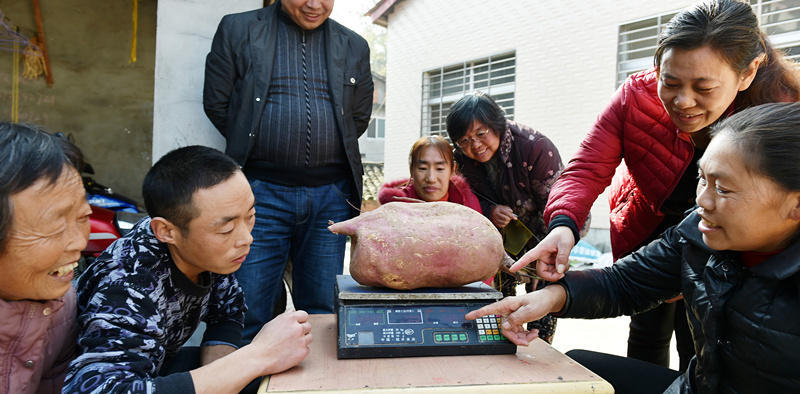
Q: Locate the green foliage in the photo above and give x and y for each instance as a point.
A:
(376, 37)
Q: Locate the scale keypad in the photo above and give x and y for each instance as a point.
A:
(489, 328)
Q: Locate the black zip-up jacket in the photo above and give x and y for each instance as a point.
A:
(239, 70)
(745, 321)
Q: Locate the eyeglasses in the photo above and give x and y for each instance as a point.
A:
(466, 142)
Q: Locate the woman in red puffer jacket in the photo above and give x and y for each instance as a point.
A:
(711, 60)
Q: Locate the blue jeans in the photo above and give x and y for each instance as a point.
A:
(292, 224)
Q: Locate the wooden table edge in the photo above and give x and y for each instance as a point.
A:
(598, 387)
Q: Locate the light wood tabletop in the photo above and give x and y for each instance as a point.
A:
(535, 368)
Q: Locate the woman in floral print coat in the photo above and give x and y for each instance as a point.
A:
(511, 168)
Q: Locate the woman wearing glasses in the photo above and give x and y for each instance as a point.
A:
(511, 168)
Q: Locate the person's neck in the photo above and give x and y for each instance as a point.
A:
(189, 270)
(700, 139)
(751, 259)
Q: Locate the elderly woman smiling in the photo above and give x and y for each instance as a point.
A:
(44, 225)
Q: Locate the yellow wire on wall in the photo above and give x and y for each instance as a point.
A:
(135, 25)
(15, 84)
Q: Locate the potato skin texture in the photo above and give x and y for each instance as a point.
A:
(407, 246)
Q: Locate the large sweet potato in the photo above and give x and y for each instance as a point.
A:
(411, 245)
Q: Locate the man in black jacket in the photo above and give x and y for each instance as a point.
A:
(291, 92)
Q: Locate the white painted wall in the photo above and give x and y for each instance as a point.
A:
(184, 32)
(371, 149)
(566, 61)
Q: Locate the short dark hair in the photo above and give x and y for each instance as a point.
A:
(768, 136)
(169, 186)
(474, 106)
(29, 155)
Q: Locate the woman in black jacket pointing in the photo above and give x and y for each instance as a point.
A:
(735, 259)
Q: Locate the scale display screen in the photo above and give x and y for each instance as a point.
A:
(366, 317)
(436, 316)
(449, 317)
(405, 316)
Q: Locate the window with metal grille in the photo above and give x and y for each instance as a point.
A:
(441, 87)
(780, 19)
(376, 128)
(637, 44)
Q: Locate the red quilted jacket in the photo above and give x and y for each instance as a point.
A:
(458, 192)
(635, 128)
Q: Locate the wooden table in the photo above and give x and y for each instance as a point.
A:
(535, 368)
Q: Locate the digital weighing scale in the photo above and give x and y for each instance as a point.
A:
(382, 322)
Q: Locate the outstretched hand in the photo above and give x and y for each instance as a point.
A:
(518, 310)
(551, 255)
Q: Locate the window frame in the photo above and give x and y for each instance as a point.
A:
(782, 41)
(475, 74)
(379, 123)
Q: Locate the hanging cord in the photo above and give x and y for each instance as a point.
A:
(15, 83)
(135, 28)
(336, 189)
(42, 42)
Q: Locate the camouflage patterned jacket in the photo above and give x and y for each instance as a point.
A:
(136, 309)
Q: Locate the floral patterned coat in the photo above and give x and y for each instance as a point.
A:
(531, 163)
